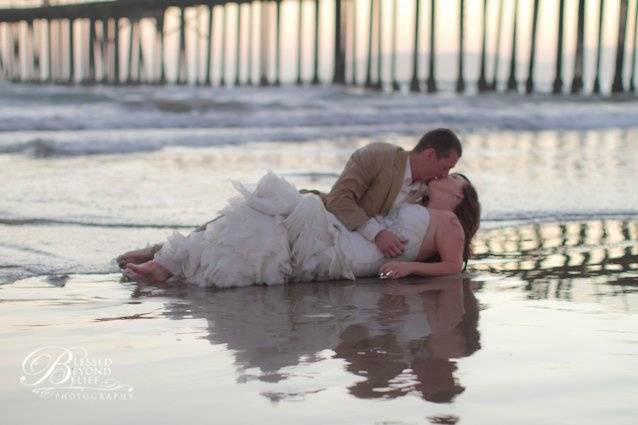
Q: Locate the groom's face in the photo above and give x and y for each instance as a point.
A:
(438, 167)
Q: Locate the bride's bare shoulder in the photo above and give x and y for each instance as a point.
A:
(446, 222)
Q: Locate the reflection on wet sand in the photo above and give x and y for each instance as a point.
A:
(410, 341)
(396, 338)
(591, 261)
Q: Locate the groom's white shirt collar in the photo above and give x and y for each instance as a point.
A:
(408, 186)
(407, 176)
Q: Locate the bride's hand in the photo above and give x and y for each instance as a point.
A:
(396, 269)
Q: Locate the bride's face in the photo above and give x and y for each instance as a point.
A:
(448, 187)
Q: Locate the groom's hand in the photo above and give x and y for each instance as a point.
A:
(389, 244)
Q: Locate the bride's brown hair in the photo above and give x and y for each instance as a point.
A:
(469, 214)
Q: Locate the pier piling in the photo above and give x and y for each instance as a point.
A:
(512, 84)
(596, 88)
(482, 82)
(529, 84)
(577, 82)
(431, 82)
(558, 79)
(315, 62)
(617, 86)
(414, 83)
(632, 87)
(460, 81)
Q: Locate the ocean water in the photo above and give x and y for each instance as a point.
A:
(542, 328)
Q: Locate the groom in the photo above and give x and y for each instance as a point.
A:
(380, 176)
(376, 178)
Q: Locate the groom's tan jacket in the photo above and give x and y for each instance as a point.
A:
(368, 185)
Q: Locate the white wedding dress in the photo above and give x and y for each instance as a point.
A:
(274, 234)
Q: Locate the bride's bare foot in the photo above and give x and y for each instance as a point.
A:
(150, 270)
(137, 256)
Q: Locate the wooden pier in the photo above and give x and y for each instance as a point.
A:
(125, 42)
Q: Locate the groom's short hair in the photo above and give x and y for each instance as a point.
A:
(442, 140)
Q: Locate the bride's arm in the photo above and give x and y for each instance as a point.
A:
(449, 241)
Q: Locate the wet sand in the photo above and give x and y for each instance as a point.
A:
(542, 329)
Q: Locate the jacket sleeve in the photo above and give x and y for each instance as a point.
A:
(359, 173)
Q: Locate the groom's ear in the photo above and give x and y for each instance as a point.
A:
(429, 154)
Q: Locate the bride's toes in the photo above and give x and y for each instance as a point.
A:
(127, 259)
(121, 261)
(138, 256)
(137, 268)
(147, 271)
(131, 275)
(135, 271)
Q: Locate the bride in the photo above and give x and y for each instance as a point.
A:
(274, 234)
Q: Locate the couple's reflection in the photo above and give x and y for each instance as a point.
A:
(395, 338)
(410, 342)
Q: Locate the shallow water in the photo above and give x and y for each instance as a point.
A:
(542, 329)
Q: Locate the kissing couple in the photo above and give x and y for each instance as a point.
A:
(391, 213)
